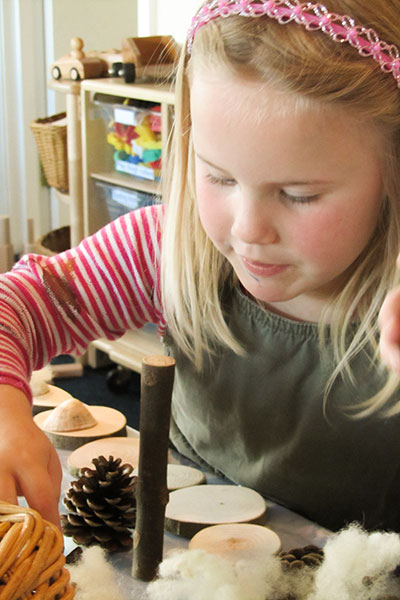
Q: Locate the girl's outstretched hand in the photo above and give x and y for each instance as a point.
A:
(29, 465)
(389, 323)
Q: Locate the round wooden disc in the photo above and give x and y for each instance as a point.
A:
(181, 476)
(51, 399)
(125, 448)
(237, 541)
(193, 508)
(110, 422)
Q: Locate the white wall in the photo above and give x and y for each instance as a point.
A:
(171, 17)
(22, 85)
(101, 24)
(32, 34)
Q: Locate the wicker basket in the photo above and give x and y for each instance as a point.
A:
(31, 557)
(54, 242)
(51, 139)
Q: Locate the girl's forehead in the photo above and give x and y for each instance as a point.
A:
(253, 99)
(233, 117)
(220, 92)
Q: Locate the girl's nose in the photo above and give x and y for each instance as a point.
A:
(254, 221)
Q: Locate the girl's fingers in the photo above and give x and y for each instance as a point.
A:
(390, 310)
(8, 491)
(42, 493)
(29, 465)
(390, 344)
(389, 323)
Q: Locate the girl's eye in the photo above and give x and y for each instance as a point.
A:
(219, 180)
(298, 199)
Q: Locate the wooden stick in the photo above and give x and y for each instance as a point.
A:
(152, 493)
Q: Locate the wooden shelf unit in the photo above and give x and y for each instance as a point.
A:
(97, 166)
(97, 155)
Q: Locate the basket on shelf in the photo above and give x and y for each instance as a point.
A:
(31, 557)
(51, 140)
(55, 241)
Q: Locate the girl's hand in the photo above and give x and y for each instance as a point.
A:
(389, 323)
(29, 465)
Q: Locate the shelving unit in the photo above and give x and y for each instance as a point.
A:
(98, 166)
(98, 155)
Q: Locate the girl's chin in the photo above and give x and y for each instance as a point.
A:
(266, 298)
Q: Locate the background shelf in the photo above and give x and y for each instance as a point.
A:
(97, 166)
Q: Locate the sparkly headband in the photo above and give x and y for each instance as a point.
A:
(340, 28)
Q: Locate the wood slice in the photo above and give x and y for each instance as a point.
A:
(50, 400)
(191, 509)
(181, 476)
(237, 541)
(125, 448)
(110, 422)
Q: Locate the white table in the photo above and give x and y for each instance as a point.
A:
(293, 530)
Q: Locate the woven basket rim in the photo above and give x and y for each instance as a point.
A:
(48, 120)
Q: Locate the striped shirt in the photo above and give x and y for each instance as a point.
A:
(57, 305)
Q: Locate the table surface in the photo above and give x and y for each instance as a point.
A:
(293, 529)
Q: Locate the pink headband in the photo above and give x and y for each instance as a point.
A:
(312, 17)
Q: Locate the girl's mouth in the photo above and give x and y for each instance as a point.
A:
(258, 269)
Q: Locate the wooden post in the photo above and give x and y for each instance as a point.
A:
(6, 248)
(152, 492)
(30, 245)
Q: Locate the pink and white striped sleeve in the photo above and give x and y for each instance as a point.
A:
(56, 305)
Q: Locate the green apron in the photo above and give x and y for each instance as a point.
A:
(259, 421)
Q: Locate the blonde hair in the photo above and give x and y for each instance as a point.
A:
(310, 64)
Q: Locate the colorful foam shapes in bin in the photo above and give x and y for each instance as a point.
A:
(115, 140)
(121, 155)
(149, 144)
(144, 131)
(134, 159)
(137, 149)
(155, 119)
(156, 165)
(151, 155)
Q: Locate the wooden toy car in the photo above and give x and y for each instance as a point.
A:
(77, 65)
(144, 57)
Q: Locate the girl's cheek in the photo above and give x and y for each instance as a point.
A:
(327, 237)
(212, 210)
(316, 237)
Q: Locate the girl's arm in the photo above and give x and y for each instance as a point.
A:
(57, 305)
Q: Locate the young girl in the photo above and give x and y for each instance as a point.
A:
(265, 270)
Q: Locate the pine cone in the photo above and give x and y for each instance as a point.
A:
(297, 558)
(102, 506)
